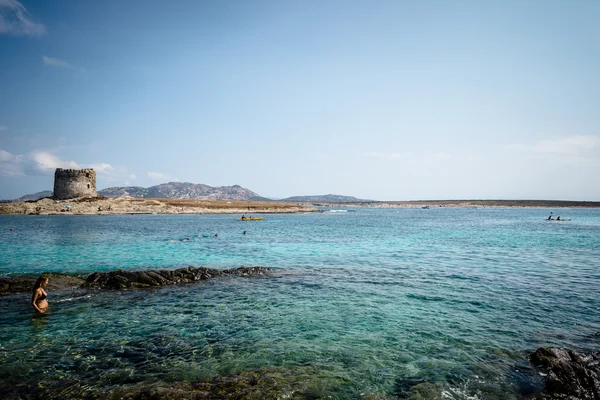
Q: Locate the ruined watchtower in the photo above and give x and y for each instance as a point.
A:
(71, 183)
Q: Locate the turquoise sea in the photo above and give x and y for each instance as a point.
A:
(371, 303)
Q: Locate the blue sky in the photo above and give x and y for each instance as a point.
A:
(386, 100)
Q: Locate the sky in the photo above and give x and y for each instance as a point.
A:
(384, 100)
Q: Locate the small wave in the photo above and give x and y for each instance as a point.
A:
(458, 393)
(423, 297)
(87, 296)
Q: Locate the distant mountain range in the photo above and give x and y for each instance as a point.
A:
(327, 198)
(35, 196)
(191, 191)
(183, 190)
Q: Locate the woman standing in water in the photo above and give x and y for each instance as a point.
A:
(38, 301)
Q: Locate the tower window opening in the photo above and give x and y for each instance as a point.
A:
(88, 185)
(87, 176)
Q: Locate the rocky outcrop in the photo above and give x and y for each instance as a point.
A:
(24, 284)
(570, 375)
(122, 279)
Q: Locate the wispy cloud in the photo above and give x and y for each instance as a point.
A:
(10, 164)
(56, 62)
(44, 163)
(129, 179)
(576, 150)
(377, 154)
(159, 176)
(3, 128)
(14, 20)
(572, 146)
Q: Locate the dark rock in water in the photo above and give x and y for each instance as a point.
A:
(122, 279)
(24, 284)
(571, 375)
(416, 388)
(271, 384)
(153, 278)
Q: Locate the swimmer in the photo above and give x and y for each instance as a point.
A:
(244, 232)
(216, 235)
(38, 301)
(179, 240)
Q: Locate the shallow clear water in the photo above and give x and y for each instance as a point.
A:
(363, 304)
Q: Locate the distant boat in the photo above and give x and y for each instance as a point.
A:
(557, 220)
(425, 207)
(250, 219)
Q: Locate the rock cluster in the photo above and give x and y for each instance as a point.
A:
(122, 279)
(24, 284)
(570, 376)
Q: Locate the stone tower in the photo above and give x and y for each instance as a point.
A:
(71, 183)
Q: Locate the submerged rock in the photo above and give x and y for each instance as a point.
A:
(570, 375)
(296, 383)
(122, 279)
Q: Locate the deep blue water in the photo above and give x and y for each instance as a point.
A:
(362, 304)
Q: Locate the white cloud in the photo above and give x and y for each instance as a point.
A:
(45, 162)
(572, 151)
(55, 62)
(129, 179)
(159, 176)
(572, 145)
(102, 168)
(10, 164)
(14, 20)
(5, 156)
(377, 154)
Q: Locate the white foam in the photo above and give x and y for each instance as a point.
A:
(75, 298)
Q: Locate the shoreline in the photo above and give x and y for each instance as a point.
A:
(467, 204)
(134, 206)
(137, 206)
